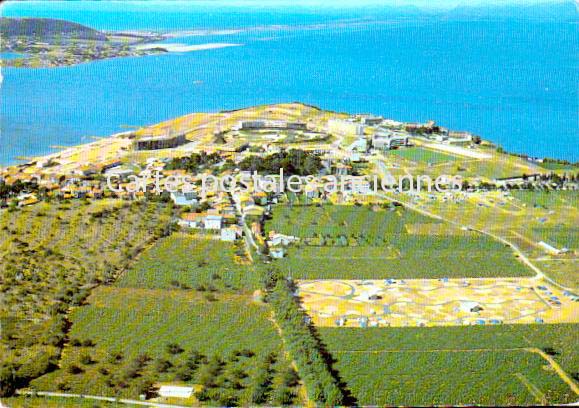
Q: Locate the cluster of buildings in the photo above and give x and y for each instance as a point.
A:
(159, 142)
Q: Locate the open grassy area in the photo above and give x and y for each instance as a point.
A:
(420, 155)
(350, 242)
(189, 261)
(457, 365)
(559, 236)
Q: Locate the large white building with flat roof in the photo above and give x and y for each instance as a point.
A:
(386, 140)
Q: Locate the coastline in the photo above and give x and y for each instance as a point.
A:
(178, 47)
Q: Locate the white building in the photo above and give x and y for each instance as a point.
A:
(229, 234)
(345, 127)
(213, 222)
(359, 145)
(386, 140)
(181, 198)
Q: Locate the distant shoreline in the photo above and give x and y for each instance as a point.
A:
(184, 47)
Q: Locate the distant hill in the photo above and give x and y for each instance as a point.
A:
(48, 28)
(556, 11)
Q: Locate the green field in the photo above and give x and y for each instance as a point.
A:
(189, 292)
(350, 242)
(551, 200)
(52, 256)
(420, 155)
(132, 323)
(560, 236)
(558, 166)
(183, 260)
(454, 365)
(334, 223)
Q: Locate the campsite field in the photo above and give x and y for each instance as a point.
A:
(355, 303)
(195, 262)
(350, 242)
(523, 218)
(497, 365)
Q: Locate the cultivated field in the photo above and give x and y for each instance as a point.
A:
(350, 242)
(185, 261)
(52, 255)
(499, 365)
(182, 314)
(139, 337)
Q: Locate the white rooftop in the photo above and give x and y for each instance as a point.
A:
(175, 391)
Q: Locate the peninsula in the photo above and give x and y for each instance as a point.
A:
(45, 42)
(272, 297)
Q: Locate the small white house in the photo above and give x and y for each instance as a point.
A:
(229, 234)
(174, 391)
(281, 239)
(182, 199)
(277, 253)
(213, 222)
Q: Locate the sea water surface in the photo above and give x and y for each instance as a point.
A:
(513, 82)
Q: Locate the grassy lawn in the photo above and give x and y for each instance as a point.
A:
(417, 366)
(184, 260)
(349, 242)
(420, 155)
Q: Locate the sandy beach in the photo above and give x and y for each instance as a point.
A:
(174, 47)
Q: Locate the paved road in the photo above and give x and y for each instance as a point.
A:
(98, 398)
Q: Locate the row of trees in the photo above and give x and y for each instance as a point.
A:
(313, 364)
(195, 162)
(293, 162)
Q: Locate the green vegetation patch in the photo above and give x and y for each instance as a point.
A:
(341, 225)
(351, 242)
(560, 236)
(552, 200)
(126, 339)
(449, 378)
(185, 261)
(419, 155)
(52, 256)
(455, 365)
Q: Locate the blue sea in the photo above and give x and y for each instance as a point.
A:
(511, 81)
